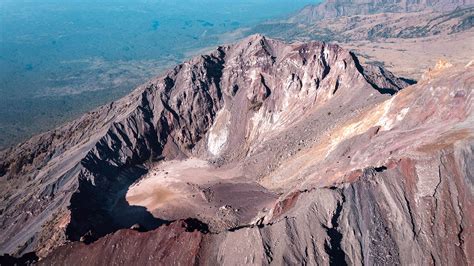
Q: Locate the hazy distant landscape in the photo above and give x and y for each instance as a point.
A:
(59, 59)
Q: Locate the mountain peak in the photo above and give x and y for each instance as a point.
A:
(257, 89)
(254, 139)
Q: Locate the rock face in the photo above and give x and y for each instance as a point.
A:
(177, 243)
(260, 152)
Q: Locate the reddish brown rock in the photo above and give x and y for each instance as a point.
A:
(176, 243)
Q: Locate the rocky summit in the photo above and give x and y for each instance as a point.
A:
(259, 152)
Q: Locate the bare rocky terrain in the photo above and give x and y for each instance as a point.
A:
(259, 152)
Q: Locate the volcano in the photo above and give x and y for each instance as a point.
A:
(259, 152)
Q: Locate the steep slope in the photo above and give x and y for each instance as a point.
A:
(398, 189)
(234, 113)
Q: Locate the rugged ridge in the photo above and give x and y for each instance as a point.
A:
(279, 153)
(81, 169)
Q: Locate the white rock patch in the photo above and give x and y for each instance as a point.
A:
(219, 132)
(428, 178)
